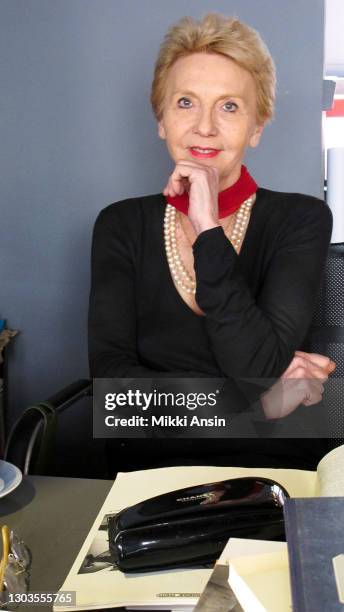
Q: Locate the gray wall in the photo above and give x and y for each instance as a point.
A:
(77, 133)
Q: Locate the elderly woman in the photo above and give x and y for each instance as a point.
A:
(215, 276)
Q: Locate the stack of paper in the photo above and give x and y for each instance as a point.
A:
(261, 581)
(252, 577)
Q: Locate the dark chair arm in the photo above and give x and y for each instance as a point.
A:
(31, 440)
(71, 394)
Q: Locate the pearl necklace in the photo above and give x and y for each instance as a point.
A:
(180, 275)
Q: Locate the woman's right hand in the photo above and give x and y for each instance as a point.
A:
(301, 383)
(202, 184)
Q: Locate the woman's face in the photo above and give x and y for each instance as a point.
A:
(210, 113)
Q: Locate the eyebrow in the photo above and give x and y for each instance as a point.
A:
(189, 92)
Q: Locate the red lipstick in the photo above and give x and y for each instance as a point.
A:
(203, 152)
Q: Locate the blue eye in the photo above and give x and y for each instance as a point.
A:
(184, 103)
(230, 107)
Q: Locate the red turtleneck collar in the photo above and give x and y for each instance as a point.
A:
(229, 199)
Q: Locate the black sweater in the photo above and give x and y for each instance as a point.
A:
(258, 305)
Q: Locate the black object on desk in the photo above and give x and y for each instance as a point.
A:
(191, 526)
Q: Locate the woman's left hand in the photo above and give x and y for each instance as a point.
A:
(301, 383)
(309, 365)
(202, 184)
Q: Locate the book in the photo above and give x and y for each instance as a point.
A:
(99, 585)
(315, 536)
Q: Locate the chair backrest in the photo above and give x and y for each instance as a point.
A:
(326, 337)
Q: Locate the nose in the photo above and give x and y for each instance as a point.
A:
(205, 124)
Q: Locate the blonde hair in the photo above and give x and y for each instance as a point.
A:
(223, 35)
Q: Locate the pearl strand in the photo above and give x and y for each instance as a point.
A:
(181, 276)
(178, 270)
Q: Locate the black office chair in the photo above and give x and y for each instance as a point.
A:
(31, 442)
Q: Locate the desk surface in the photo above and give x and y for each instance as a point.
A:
(53, 516)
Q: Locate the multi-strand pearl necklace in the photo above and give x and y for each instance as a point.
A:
(180, 274)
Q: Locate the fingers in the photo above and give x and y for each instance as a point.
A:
(320, 360)
(314, 393)
(186, 172)
(285, 396)
(309, 366)
(300, 369)
(175, 186)
(309, 392)
(179, 179)
(301, 383)
(302, 391)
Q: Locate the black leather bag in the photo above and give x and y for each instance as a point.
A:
(191, 526)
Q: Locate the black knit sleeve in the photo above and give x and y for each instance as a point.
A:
(112, 306)
(255, 338)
